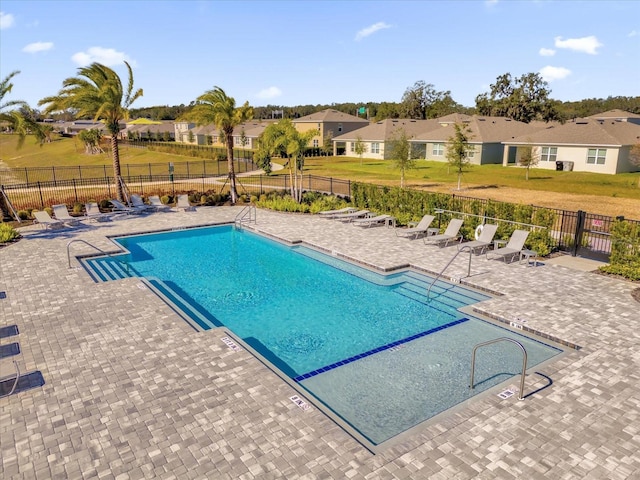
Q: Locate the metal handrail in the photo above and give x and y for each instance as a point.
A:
(248, 211)
(449, 263)
(86, 243)
(15, 383)
(495, 340)
(439, 210)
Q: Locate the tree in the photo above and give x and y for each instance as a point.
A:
(21, 120)
(98, 92)
(529, 157)
(400, 153)
(423, 101)
(360, 147)
(214, 106)
(91, 139)
(524, 99)
(283, 140)
(458, 149)
(327, 143)
(634, 157)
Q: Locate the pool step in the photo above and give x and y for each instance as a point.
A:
(439, 302)
(441, 291)
(441, 285)
(109, 268)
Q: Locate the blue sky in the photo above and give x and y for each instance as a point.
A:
(321, 52)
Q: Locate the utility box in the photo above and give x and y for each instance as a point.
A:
(559, 166)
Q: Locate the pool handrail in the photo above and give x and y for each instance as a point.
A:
(462, 249)
(495, 340)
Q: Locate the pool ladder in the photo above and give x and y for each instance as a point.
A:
(449, 263)
(246, 215)
(496, 340)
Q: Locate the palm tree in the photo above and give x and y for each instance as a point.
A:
(17, 120)
(97, 92)
(283, 140)
(214, 106)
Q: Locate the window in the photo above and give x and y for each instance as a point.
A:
(549, 154)
(315, 143)
(596, 156)
(339, 127)
(471, 153)
(353, 146)
(237, 141)
(438, 149)
(375, 147)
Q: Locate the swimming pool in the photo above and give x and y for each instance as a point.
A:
(369, 347)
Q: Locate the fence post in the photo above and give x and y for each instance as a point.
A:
(75, 190)
(577, 239)
(40, 192)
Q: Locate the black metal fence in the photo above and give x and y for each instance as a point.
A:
(579, 233)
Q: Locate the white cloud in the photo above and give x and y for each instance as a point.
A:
(106, 56)
(365, 32)
(6, 20)
(549, 73)
(547, 52)
(268, 93)
(633, 33)
(585, 44)
(38, 47)
(490, 3)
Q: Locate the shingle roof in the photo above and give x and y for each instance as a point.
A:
(588, 132)
(385, 129)
(330, 115)
(615, 113)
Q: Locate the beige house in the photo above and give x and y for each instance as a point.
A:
(376, 137)
(328, 123)
(618, 115)
(593, 144)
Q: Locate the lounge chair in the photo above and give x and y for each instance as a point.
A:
(44, 219)
(183, 204)
(119, 207)
(513, 248)
(156, 203)
(451, 233)
(340, 211)
(485, 238)
(137, 202)
(369, 221)
(92, 212)
(348, 217)
(422, 228)
(61, 213)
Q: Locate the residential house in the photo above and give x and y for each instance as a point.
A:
(617, 115)
(593, 144)
(328, 123)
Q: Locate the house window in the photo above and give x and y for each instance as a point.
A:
(375, 147)
(315, 143)
(471, 153)
(339, 127)
(549, 154)
(596, 156)
(438, 149)
(353, 146)
(237, 141)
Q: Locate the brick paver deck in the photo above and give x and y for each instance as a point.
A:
(133, 392)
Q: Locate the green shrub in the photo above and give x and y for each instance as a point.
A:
(625, 250)
(204, 200)
(23, 214)
(78, 207)
(166, 199)
(7, 233)
(49, 210)
(104, 205)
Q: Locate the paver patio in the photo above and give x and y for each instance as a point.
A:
(133, 392)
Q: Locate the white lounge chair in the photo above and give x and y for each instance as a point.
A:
(60, 212)
(484, 239)
(422, 228)
(48, 223)
(451, 233)
(340, 211)
(183, 204)
(513, 248)
(119, 207)
(92, 212)
(156, 203)
(369, 221)
(348, 217)
(137, 202)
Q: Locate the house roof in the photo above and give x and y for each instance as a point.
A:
(615, 114)
(330, 115)
(386, 129)
(585, 132)
(483, 129)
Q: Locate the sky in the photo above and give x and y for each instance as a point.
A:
(301, 52)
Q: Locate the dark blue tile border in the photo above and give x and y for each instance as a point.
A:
(3, 295)
(378, 350)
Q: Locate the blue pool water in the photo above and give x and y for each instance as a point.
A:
(347, 335)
